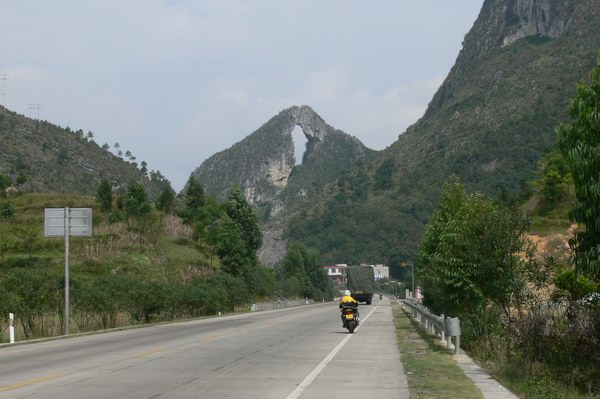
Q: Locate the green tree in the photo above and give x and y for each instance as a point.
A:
(304, 275)
(147, 300)
(293, 264)
(242, 213)
(261, 281)
(579, 143)
(8, 240)
(159, 180)
(63, 155)
(194, 196)
(471, 256)
(136, 203)
(206, 225)
(144, 168)
(104, 195)
(384, 174)
(7, 211)
(555, 181)
(104, 296)
(166, 200)
(5, 182)
(28, 236)
(21, 179)
(231, 247)
(35, 292)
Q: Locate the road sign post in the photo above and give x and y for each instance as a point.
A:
(66, 222)
(11, 328)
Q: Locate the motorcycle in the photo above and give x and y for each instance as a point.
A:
(350, 317)
(380, 297)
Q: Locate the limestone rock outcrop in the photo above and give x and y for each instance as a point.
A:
(263, 166)
(543, 18)
(500, 24)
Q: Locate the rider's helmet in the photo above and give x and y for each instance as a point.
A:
(347, 293)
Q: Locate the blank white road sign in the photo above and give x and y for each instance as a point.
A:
(80, 222)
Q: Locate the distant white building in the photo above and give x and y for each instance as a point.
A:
(381, 272)
(337, 273)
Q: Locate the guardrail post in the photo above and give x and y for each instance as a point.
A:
(447, 326)
(11, 328)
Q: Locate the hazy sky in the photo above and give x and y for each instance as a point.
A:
(175, 81)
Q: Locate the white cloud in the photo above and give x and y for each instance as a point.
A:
(235, 97)
(323, 85)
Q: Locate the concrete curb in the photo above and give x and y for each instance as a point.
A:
(489, 387)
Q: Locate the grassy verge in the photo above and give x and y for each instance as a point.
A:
(532, 381)
(430, 368)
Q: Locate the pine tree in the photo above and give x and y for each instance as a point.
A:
(104, 195)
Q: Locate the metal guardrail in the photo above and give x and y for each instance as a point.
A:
(444, 327)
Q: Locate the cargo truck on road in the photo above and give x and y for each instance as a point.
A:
(361, 282)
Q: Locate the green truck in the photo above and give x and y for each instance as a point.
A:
(361, 282)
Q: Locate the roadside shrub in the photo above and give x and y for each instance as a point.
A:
(565, 337)
(150, 301)
(7, 211)
(32, 292)
(104, 296)
(195, 299)
(260, 281)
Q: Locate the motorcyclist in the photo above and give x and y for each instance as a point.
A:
(348, 301)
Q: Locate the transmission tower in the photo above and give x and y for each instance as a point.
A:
(34, 107)
(3, 78)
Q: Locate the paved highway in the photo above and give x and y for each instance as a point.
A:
(290, 353)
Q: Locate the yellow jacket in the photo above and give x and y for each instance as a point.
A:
(348, 299)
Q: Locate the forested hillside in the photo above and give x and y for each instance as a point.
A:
(41, 157)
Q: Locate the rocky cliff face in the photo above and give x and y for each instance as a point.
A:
(262, 165)
(543, 18)
(503, 22)
(263, 162)
(500, 24)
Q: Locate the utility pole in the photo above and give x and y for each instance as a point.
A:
(34, 107)
(3, 78)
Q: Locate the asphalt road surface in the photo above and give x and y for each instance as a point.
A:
(300, 352)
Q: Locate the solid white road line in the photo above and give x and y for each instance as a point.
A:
(311, 377)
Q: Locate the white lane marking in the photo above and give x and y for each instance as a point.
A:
(10, 352)
(311, 377)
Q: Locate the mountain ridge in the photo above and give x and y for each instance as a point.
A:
(264, 166)
(489, 123)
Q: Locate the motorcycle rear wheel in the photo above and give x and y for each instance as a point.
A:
(351, 326)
